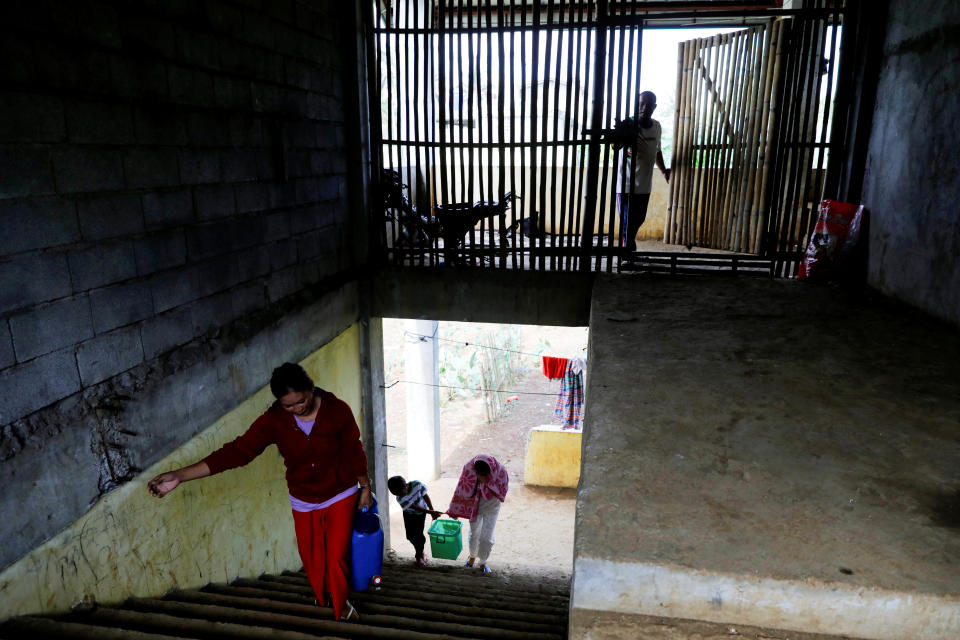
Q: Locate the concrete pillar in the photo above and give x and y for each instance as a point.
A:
(423, 399)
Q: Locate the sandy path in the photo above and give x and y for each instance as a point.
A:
(535, 529)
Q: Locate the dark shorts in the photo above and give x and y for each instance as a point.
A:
(413, 524)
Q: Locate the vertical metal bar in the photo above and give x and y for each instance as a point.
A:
(495, 188)
(588, 67)
(442, 97)
(842, 64)
(797, 111)
(518, 211)
(545, 117)
(534, 113)
(555, 145)
(385, 44)
(810, 64)
(560, 233)
(469, 167)
(593, 165)
(605, 186)
(403, 114)
(432, 99)
(828, 104)
(377, 236)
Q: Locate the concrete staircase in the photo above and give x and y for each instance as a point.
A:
(430, 603)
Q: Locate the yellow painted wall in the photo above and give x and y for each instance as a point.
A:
(215, 529)
(553, 457)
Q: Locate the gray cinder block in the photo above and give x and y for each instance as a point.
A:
(161, 251)
(30, 279)
(167, 208)
(35, 384)
(52, 326)
(37, 223)
(110, 216)
(107, 355)
(120, 305)
(151, 168)
(166, 331)
(88, 169)
(26, 117)
(25, 171)
(99, 122)
(101, 264)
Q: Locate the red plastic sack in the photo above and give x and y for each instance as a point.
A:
(836, 233)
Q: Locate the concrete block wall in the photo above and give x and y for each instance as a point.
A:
(912, 176)
(172, 182)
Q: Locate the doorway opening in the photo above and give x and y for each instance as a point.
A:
(490, 395)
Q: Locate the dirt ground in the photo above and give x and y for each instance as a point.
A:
(534, 533)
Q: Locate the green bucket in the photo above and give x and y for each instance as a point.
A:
(445, 539)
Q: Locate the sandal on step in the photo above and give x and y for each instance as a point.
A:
(350, 615)
(486, 569)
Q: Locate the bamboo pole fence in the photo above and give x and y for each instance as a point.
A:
(484, 97)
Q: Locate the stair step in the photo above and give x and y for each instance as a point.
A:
(506, 604)
(370, 626)
(537, 584)
(41, 628)
(478, 593)
(413, 603)
(253, 601)
(206, 629)
(478, 582)
(410, 600)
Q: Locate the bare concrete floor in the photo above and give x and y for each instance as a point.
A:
(769, 453)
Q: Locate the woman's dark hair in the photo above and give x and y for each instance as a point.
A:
(289, 377)
(481, 467)
(396, 485)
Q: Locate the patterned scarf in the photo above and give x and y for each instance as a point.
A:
(466, 497)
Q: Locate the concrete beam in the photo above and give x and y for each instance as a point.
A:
(483, 295)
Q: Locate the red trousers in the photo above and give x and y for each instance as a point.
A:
(323, 539)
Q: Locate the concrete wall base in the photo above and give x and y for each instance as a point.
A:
(604, 625)
(810, 606)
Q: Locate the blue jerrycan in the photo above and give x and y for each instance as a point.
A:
(366, 550)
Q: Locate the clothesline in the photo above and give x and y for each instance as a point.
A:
(474, 344)
(447, 386)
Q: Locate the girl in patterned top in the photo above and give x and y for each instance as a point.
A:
(416, 504)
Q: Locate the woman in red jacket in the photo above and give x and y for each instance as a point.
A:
(326, 468)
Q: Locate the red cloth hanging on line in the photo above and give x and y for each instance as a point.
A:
(554, 368)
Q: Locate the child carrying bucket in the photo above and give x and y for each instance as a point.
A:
(416, 504)
(482, 487)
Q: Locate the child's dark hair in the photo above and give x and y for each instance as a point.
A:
(481, 467)
(396, 485)
(289, 377)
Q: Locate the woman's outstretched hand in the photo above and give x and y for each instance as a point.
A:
(163, 484)
(167, 482)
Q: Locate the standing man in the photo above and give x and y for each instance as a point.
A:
(639, 161)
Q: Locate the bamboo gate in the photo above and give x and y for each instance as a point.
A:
(480, 98)
(751, 127)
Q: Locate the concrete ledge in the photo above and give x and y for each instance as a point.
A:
(810, 606)
(553, 457)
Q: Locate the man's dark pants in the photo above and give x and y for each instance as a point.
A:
(633, 211)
